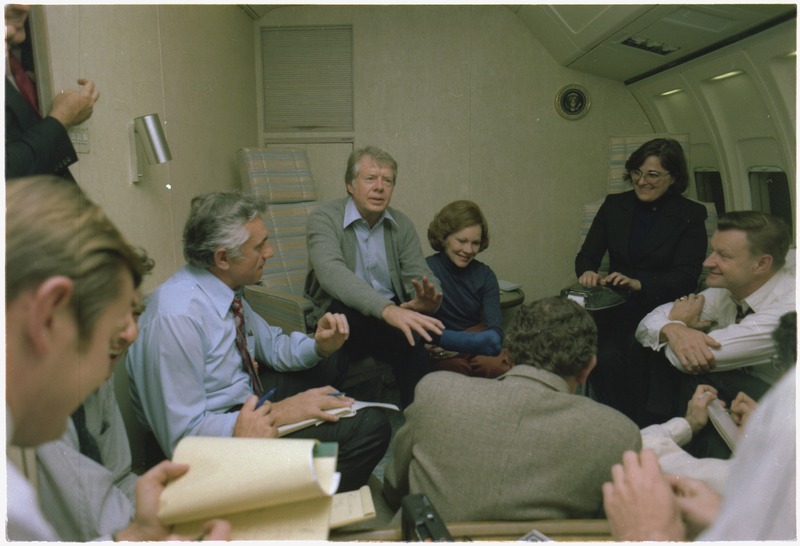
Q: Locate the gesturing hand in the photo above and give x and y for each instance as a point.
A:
(408, 322)
(426, 300)
(74, 106)
(332, 331)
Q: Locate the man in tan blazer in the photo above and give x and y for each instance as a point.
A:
(522, 446)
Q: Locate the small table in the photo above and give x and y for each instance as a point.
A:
(511, 298)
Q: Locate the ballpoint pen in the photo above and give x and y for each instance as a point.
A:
(265, 397)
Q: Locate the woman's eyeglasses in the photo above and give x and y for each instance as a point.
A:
(649, 176)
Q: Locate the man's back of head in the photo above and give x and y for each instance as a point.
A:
(554, 334)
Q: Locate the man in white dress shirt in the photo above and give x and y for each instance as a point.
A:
(721, 337)
(646, 503)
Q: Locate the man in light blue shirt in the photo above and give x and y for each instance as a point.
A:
(188, 376)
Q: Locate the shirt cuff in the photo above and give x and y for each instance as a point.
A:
(679, 429)
(661, 344)
(309, 354)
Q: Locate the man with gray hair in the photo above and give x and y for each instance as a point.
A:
(204, 359)
(366, 262)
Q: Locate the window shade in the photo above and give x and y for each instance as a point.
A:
(308, 78)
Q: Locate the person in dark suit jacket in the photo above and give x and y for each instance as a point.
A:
(522, 446)
(36, 144)
(656, 240)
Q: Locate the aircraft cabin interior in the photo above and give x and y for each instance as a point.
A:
(529, 110)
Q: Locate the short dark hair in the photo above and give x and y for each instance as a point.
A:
(455, 217)
(554, 334)
(672, 158)
(766, 234)
(785, 338)
(381, 157)
(217, 220)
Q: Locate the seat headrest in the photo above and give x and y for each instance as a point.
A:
(276, 175)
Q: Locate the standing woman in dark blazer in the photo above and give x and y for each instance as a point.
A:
(656, 240)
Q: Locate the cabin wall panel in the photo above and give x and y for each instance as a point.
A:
(463, 98)
(193, 65)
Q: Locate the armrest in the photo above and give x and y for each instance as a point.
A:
(570, 530)
(279, 308)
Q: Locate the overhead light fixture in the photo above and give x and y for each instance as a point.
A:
(671, 92)
(727, 75)
(146, 132)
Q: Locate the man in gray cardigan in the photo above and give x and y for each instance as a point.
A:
(366, 262)
(522, 446)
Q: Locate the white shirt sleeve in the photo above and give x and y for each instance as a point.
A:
(760, 503)
(666, 440)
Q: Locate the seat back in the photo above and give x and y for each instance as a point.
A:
(619, 150)
(282, 177)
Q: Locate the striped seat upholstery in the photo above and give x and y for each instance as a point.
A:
(282, 177)
(277, 175)
(619, 150)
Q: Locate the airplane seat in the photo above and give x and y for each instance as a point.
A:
(711, 227)
(145, 451)
(283, 178)
(619, 150)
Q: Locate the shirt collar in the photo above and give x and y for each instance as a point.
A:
(758, 298)
(544, 377)
(351, 214)
(218, 292)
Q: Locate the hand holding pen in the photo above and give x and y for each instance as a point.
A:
(256, 418)
(266, 397)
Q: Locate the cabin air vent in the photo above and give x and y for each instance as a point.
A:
(650, 45)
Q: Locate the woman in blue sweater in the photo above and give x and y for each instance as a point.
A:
(470, 310)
